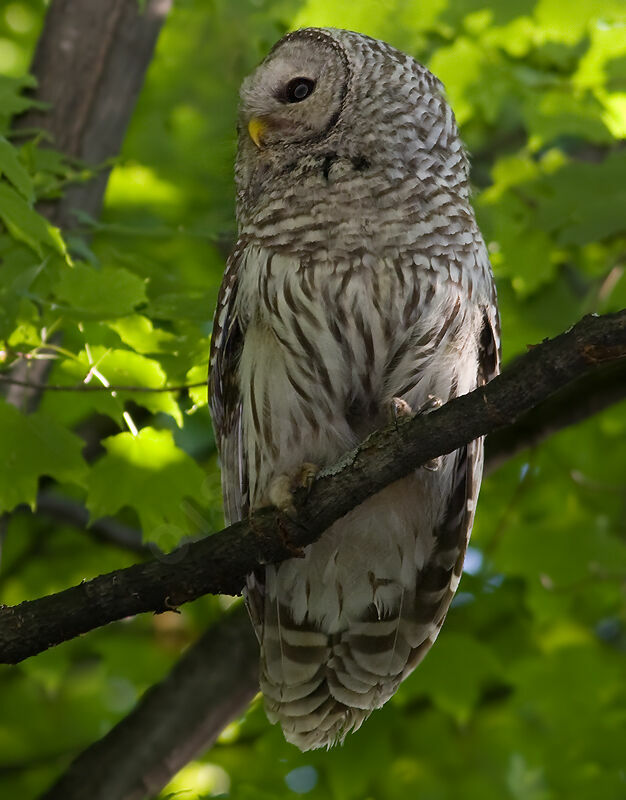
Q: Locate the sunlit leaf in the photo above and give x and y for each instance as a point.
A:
(101, 293)
(119, 368)
(138, 332)
(150, 474)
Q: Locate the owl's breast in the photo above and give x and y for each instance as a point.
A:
(328, 344)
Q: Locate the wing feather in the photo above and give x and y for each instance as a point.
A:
(224, 394)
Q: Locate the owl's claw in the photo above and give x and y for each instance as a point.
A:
(283, 486)
(431, 403)
(400, 409)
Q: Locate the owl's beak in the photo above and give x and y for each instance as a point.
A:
(256, 129)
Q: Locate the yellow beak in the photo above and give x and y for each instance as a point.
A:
(256, 129)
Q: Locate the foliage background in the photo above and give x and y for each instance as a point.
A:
(524, 696)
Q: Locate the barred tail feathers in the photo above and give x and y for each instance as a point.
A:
(320, 684)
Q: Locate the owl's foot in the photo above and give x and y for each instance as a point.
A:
(283, 486)
(431, 403)
(400, 409)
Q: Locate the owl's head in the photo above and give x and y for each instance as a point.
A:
(329, 110)
(297, 94)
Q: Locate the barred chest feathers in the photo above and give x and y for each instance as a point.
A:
(329, 344)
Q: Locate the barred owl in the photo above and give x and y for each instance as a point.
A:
(359, 284)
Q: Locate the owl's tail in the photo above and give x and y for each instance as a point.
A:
(321, 686)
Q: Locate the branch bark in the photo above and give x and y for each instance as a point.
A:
(219, 563)
(173, 722)
(592, 393)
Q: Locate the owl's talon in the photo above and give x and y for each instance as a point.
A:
(305, 477)
(431, 403)
(400, 409)
(281, 495)
(283, 486)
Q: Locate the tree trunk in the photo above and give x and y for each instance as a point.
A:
(90, 64)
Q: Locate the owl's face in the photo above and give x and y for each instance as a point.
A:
(295, 97)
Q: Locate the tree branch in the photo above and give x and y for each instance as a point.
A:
(123, 755)
(173, 722)
(594, 392)
(219, 563)
(106, 529)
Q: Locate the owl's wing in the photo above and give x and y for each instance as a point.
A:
(489, 348)
(224, 396)
(440, 576)
(226, 412)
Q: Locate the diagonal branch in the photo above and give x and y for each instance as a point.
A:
(134, 758)
(219, 563)
(595, 391)
(173, 722)
(87, 387)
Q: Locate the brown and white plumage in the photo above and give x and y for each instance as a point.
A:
(359, 276)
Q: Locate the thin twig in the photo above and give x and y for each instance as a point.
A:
(82, 387)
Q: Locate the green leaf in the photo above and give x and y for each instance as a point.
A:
(150, 474)
(564, 206)
(188, 306)
(460, 66)
(121, 368)
(138, 332)
(454, 673)
(558, 114)
(570, 24)
(605, 54)
(27, 225)
(12, 101)
(14, 171)
(199, 395)
(32, 446)
(527, 267)
(100, 293)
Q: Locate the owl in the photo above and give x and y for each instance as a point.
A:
(359, 288)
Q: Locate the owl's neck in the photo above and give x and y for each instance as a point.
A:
(343, 205)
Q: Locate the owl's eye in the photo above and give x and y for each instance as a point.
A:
(298, 89)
